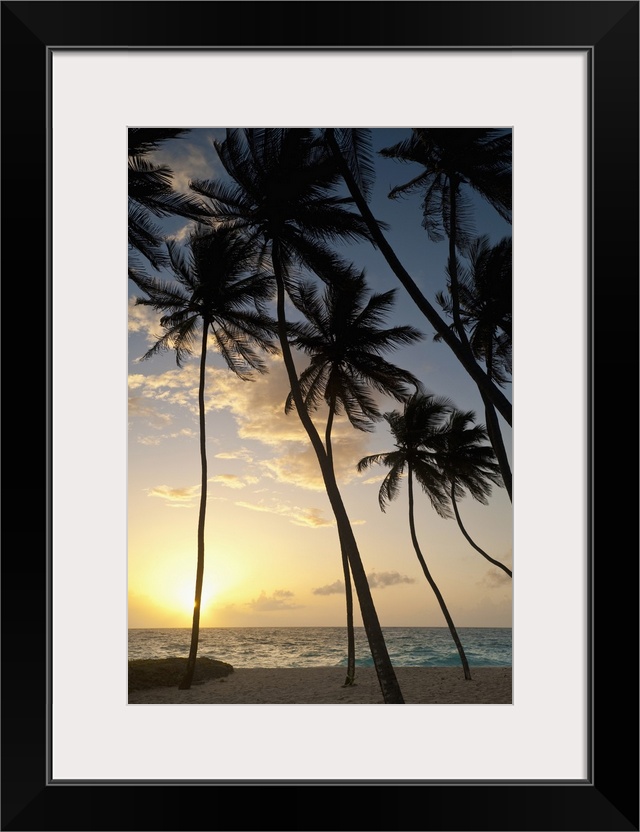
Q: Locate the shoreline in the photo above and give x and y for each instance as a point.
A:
(323, 686)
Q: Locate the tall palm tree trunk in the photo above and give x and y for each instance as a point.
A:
(468, 538)
(391, 692)
(453, 259)
(351, 638)
(432, 583)
(185, 684)
(460, 350)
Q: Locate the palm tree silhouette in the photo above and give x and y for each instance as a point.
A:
(477, 159)
(215, 294)
(151, 195)
(469, 466)
(452, 157)
(485, 309)
(419, 433)
(343, 151)
(282, 195)
(343, 336)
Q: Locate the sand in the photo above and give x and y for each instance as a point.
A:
(323, 686)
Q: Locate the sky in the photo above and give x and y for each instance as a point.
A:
(272, 557)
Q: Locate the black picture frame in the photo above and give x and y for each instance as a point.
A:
(608, 799)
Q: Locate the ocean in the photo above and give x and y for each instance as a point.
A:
(326, 646)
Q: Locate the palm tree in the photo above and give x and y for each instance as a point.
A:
(485, 299)
(343, 150)
(215, 294)
(451, 158)
(418, 433)
(282, 196)
(469, 466)
(343, 336)
(151, 194)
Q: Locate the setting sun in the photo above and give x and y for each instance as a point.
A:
(185, 593)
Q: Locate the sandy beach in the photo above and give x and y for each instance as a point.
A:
(323, 686)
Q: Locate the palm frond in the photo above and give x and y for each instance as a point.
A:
(355, 145)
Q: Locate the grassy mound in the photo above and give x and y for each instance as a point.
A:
(153, 673)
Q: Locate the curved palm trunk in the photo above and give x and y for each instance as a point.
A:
(493, 426)
(468, 538)
(185, 684)
(391, 692)
(351, 638)
(432, 583)
(461, 351)
(497, 443)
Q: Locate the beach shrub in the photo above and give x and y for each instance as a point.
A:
(153, 673)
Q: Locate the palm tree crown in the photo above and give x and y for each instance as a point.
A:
(282, 190)
(342, 333)
(151, 195)
(214, 288)
(485, 296)
(419, 434)
(452, 157)
(467, 464)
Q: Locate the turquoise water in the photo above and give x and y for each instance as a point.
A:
(326, 646)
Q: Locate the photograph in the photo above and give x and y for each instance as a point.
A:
(288, 473)
(319, 455)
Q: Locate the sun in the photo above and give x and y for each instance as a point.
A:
(184, 596)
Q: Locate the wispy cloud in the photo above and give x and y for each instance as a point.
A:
(142, 408)
(278, 600)
(190, 160)
(241, 453)
(312, 517)
(380, 580)
(375, 480)
(145, 320)
(336, 588)
(377, 580)
(258, 410)
(176, 496)
(233, 480)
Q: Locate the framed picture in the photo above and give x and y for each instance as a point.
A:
(76, 755)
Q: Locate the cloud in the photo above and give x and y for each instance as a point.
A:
(183, 233)
(145, 320)
(142, 408)
(312, 517)
(278, 600)
(177, 387)
(177, 496)
(377, 580)
(189, 159)
(336, 588)
(257, 407)
(375, 480)
(233, 480)
(380, 580)
(309, 517)
(242, 454)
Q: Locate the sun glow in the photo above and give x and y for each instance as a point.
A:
(184, 596)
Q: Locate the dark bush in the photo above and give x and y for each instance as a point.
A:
(153, 673)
